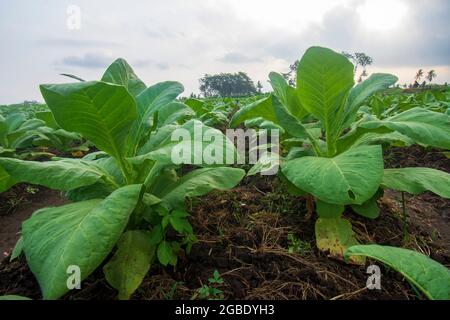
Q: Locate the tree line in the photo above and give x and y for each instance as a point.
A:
(240, 84)
(229, 85)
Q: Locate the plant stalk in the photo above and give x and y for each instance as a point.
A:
(405, 219)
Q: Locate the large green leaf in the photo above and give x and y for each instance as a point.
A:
(417, 180)
(423, 126)
(204, 144)
(432, 278)
(47, 117)
(80, 234)
(15, 120)
(21, 137)
(272, 110)
(364, 90)
(131, 262)
(324, 79)
(188, 151)
(287, 95)
(198, 106)
(149, 102)
(121, 73)
(157, 138)
(262, 108)
(173, 112)
(60, 175)
(200, 182)
(352, 177)
(384, 139)
(368, 209)
(289, 123)
(103, 113)
(157, 96)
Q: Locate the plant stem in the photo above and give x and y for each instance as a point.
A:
(405, 219)
(125, 172)
(330, 144)
(314, 144)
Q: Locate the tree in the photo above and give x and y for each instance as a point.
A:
(359, 59)
(259, 87)
(431, 75)
(227, 85)
(291, 76)
(419, 75)
(363, 74)
(363, 60)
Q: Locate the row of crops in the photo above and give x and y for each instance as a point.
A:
(113, 161)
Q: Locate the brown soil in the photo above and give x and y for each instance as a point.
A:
(243, 233)
(16, 205)
(429, 211)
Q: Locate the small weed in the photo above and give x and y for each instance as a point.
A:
(31, 190)
(296, 245)
(169, 295)
(211, 291)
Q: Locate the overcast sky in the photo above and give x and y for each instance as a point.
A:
(184, 39)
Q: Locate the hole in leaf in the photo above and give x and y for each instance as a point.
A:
(351, 194)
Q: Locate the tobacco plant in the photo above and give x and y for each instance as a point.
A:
(333, 154)
(126, 197)
(19, 136)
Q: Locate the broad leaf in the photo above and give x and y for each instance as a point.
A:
(150, 101)
(103, 113)
(364, 90)
(368, 209)
(15, 120)
(287, 95)
(121, 73)
(267, 164)
(195, 143)
(432, 278)
(80, 234)
(173, 112)
(262, 108)
(352, 177)
(131, 262)
(423, 126)
(200, 182)
(157, 96)
(324, 79)
(417, 180)
(47, 117)
(384, 139)
(288, 122)
(198, 106)
(60, 175)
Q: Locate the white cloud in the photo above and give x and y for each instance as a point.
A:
(182, 40)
